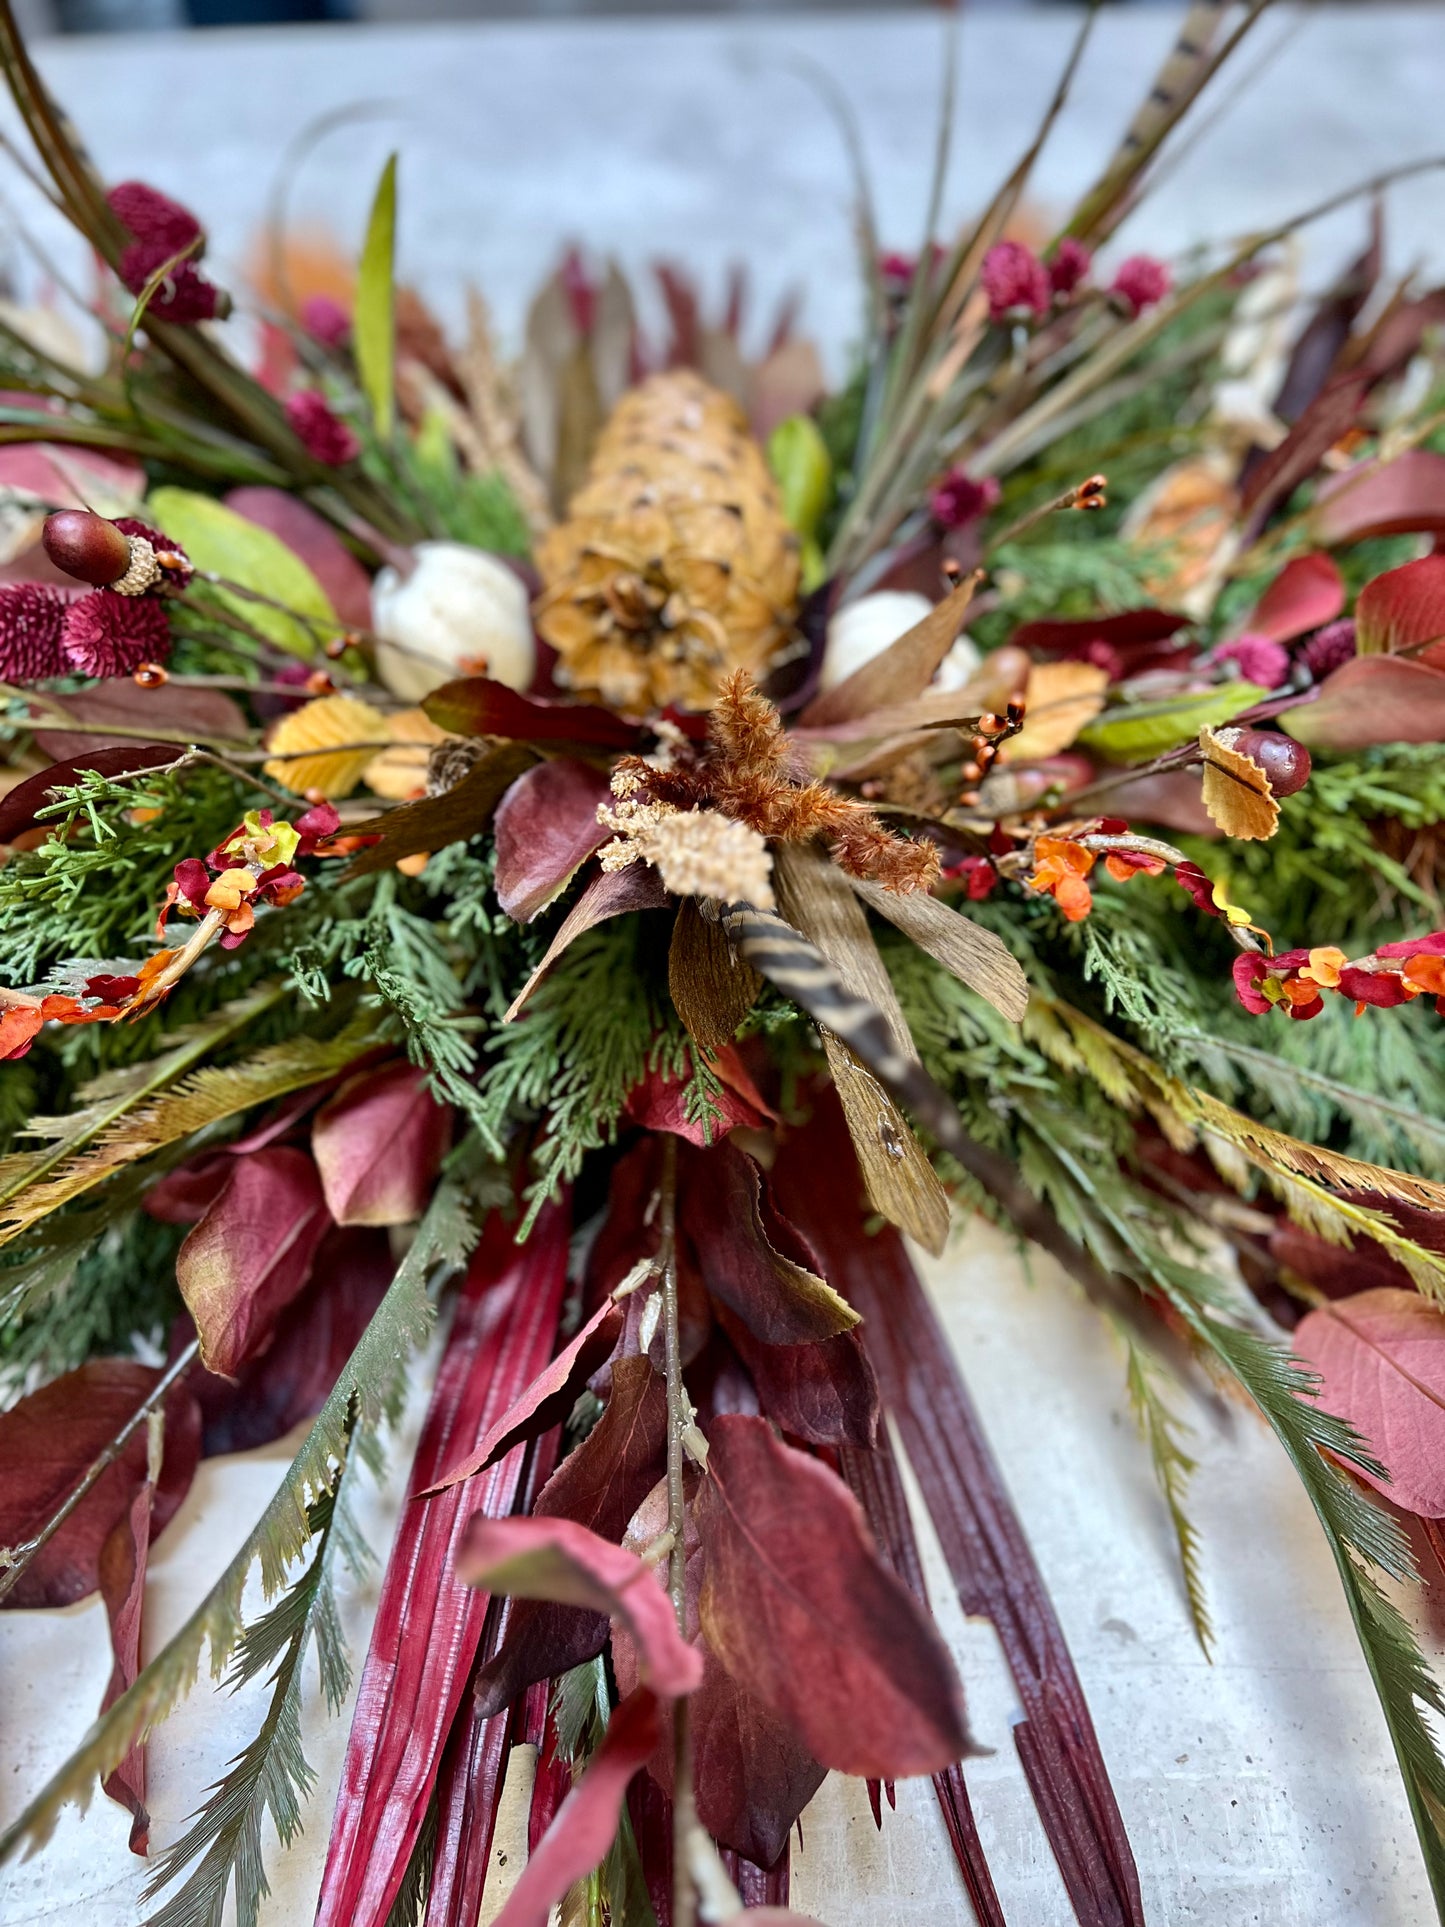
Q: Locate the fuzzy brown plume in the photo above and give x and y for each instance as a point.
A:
(750, 773)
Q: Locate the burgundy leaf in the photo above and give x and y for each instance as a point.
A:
(313, 1339)
(600, 1485)
(817, 1182)
(825, 1393)
(1381, 1359)
(661, 1103)
(1318, 348)
(122, 1587)
(428, 1624)
(559, 1561)
(1402, 609)
(124, 706)
(18, 806)
(1338, 1271)
(477, 706)
(307, 534)
(1370, 700)
(48, 1443)
(1327, 417)
(1306, 594)
(586, 1823)
(720, 1214)
(65, 476)
(251, 1253)
(1392, 498)
(801, 1611)
(1132, 633)
(546, 829)
(379, 1143)
(611, 893)
(550, 1396)
(185, 1195)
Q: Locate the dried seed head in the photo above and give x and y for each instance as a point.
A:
(150, 675)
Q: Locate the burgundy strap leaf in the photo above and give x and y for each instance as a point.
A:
(586, 1822)
(1394, 498)
(379, 1143)
(428, 1624)
(798, 1606)
(611, 893)
(1129, 632)
(251, 1253)
(1306, 594)
(1328, 416)
(600, 1485)
(49, 1441)
(477, 706)
(122, 1587)
(561, 1561)
(550, 1396)
(18, 806)
(546, 829)
(1381, 1360)
(1373, 699)
(122, 706)
(818, 1185)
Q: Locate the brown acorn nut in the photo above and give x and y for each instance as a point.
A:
(1284, 761)
(86, 546)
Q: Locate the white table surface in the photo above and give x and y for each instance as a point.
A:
(1260, 1789)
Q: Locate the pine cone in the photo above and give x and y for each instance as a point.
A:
(674, 565)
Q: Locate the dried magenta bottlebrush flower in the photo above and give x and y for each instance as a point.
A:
(152, 216)
(1329, 647)
(106, 634)
(325, 437)
(31, 620)
(1260, 659)
(325, 320)
(1070, 264)
(1141, 281)
(1014, 277)
(958, 499)
(162, 227)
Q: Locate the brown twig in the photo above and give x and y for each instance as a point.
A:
(679, 1418)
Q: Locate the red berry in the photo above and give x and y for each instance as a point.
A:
(1284, 761)
(86, 546)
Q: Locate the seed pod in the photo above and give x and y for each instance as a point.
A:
(86, 546)
(1284, 761)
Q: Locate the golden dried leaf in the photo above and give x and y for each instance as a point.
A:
(325, 745)
(1237, 794)
(1190, 514)
(400, 773)
(1063, 697)
(712, 990)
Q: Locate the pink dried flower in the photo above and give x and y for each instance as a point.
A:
(1261, 659)
(162, 227)
(958, 499)
(325, 437)
(1141, 281)
(31, 620)
(1070, 264)
(1014, 277)
(325, 320)
(1329, 647)
(106, 634)
(178, 575)
(151, 216)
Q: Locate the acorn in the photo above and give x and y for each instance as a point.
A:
(86, 546)
(1284, 761)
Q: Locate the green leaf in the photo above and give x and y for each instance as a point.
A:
(374, 323)
(1148, 729)
(803, 470)
(223, 543)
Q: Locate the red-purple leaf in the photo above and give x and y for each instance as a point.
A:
(185, 1195)
(1327, 417)
(378, 1144)
(1370, 700)
(550, 1396)
(798, 1606)
(559, 1561)
(1132, 631)
(123, 706)
(586, 1822)
(305, 533)
(122, 1587)
(661, 1103)
(1306, 594)
(611, 893)
(600, 1485)
(1381, 1357)
(546, 829)
(49, 1441)
(251, 1253)
(477, 706)
(720, 1214)
(824, 1393)
(1337, 1271)
(428, 1624)
(1396, 498)
(63, 475)
(18, 806)
(1403, 609)
(313, 1339)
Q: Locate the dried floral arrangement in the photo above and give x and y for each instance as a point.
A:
(534, 847)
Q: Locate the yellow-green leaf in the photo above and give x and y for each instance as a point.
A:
(223, 543)
(803, 471)
(374, 322)
(1148, 729)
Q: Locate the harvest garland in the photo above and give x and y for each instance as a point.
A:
(538, 842)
